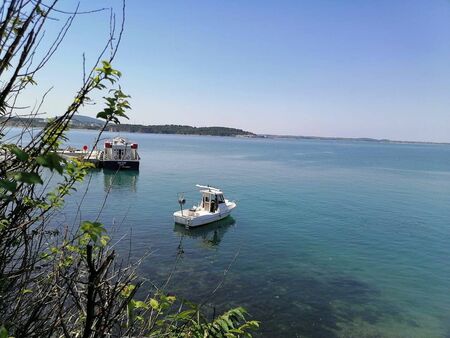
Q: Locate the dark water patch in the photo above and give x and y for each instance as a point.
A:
(412, 323)
(290, 305)
(288, 301)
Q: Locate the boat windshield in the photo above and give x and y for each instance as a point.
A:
(220, 198)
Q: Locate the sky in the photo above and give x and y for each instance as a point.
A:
(365, 68)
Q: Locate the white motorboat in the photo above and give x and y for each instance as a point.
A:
(212, 207)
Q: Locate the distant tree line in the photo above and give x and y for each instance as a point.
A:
(136, 128)
(179, 129)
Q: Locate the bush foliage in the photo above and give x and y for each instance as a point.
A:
(60, 281)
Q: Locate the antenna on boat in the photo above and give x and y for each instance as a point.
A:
(181, 202)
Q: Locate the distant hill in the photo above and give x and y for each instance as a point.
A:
(78, 121)
(82, 119)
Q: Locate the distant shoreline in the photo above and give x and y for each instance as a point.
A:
(88, 123)
(355, 139)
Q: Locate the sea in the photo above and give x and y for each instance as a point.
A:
(329, 238)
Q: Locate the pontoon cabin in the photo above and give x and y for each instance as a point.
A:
(120, 154)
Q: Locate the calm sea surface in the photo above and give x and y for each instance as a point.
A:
(329, 239)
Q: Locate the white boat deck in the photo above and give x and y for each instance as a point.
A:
(200, 216)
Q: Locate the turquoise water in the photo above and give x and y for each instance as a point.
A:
(330, 239)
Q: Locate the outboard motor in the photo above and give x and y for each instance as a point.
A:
(181, 202)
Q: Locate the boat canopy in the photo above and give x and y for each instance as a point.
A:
(207, 188)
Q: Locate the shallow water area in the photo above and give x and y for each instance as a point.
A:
(329, 239)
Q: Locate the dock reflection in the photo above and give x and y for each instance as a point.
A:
(120, 180)
(209, 235)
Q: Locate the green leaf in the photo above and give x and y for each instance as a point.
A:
(140, 304)
(3, 332)
(253, 323)
(223, 324)
(238, 331)
(185, 314)
(154, 303)
(104, 240)
(29, 79)
(40, 11)
(8, 185)
(102, 115)
(127, 290)
(20, 154)
(171, 299)
(29, 178)
(93, 229)
(4, 223)
(52, 160)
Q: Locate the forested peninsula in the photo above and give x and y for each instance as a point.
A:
(85, 122)
(179, 129)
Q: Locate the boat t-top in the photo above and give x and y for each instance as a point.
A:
(212, 207)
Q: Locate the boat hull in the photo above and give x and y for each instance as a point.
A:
(122, 165)
(191, 219)
(200, 220)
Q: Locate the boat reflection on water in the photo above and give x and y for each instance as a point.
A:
(120, 179)
(210, 235)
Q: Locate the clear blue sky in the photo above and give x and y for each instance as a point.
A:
(329, 68)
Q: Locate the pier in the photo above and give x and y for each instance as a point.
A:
(95, 156)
